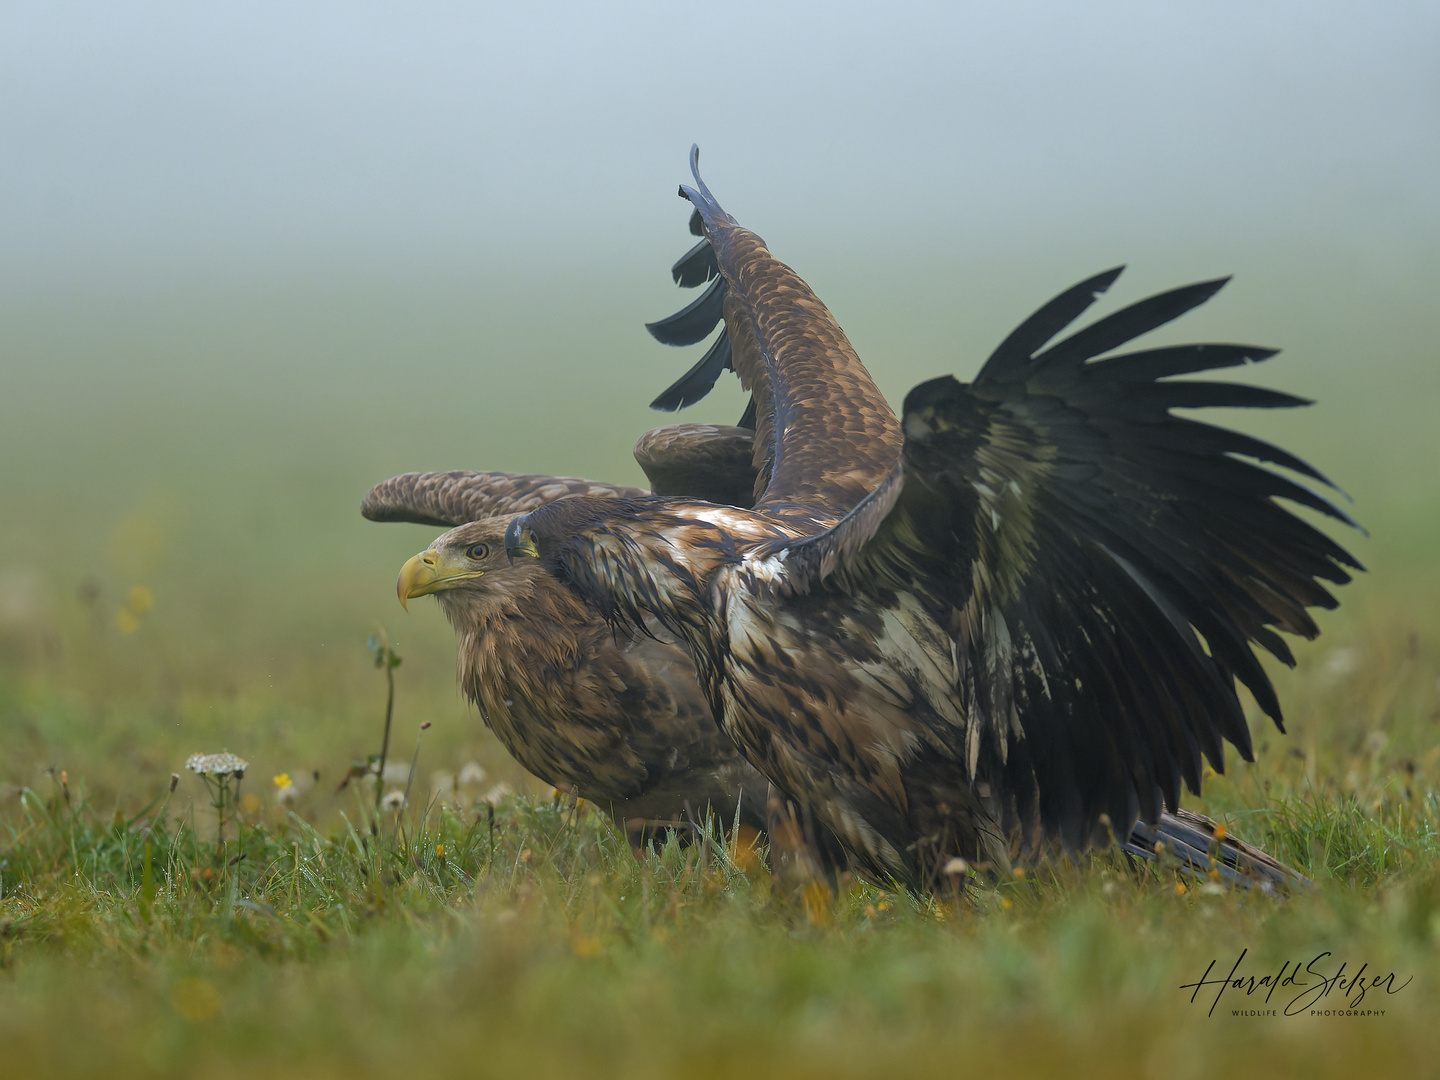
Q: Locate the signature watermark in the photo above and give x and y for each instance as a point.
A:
(1299, 991)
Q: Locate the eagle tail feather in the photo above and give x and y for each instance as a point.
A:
(1194, 842)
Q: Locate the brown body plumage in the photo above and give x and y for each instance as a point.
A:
(988, 641)
(618, 718)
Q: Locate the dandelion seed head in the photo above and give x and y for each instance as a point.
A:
(956, 867)
(393, 800)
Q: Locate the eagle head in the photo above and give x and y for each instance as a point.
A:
(459, 558)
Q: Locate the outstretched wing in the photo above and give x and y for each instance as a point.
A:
(824, 433)
(453, 498)
(1104, 566)
(701, 461)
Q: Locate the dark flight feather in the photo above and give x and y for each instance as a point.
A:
(1058, 515)
(696, 266)
(694, 321)
(698, 381)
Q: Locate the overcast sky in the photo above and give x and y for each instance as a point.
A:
(160, 141)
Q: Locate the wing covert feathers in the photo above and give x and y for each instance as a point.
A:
(701, 461)
(824, 433)
(453, 498)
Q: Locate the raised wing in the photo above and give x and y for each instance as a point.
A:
(694, 322)
(1104, 566)
(824, 433)
(453, 498)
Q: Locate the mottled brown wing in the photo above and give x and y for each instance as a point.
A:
(453, 498)
(825, 435)
(702, 461)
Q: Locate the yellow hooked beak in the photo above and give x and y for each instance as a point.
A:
(431, 572)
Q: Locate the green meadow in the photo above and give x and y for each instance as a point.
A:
(183, 569)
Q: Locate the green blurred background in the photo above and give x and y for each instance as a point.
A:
(255, 260)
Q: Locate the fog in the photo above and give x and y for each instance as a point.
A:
(149, 143)
(255, 257)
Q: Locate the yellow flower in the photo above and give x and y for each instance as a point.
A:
(1179, 888)
(815, 898)
(282, 781)
(195, 1000)
(126, 621)
(139, 599)
(1220, 832)
(585, 945)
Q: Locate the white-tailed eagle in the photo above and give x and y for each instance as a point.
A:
(1013, 620)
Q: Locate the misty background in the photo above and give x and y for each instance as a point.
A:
(254, 258)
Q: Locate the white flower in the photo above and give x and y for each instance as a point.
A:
(496, 793)
(442, 786)
(218, 765)
(472, 773)
(393, 800)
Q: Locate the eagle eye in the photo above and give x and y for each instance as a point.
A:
(478, 552)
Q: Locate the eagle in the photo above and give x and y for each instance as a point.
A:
(1011, 621)
(617, 719)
